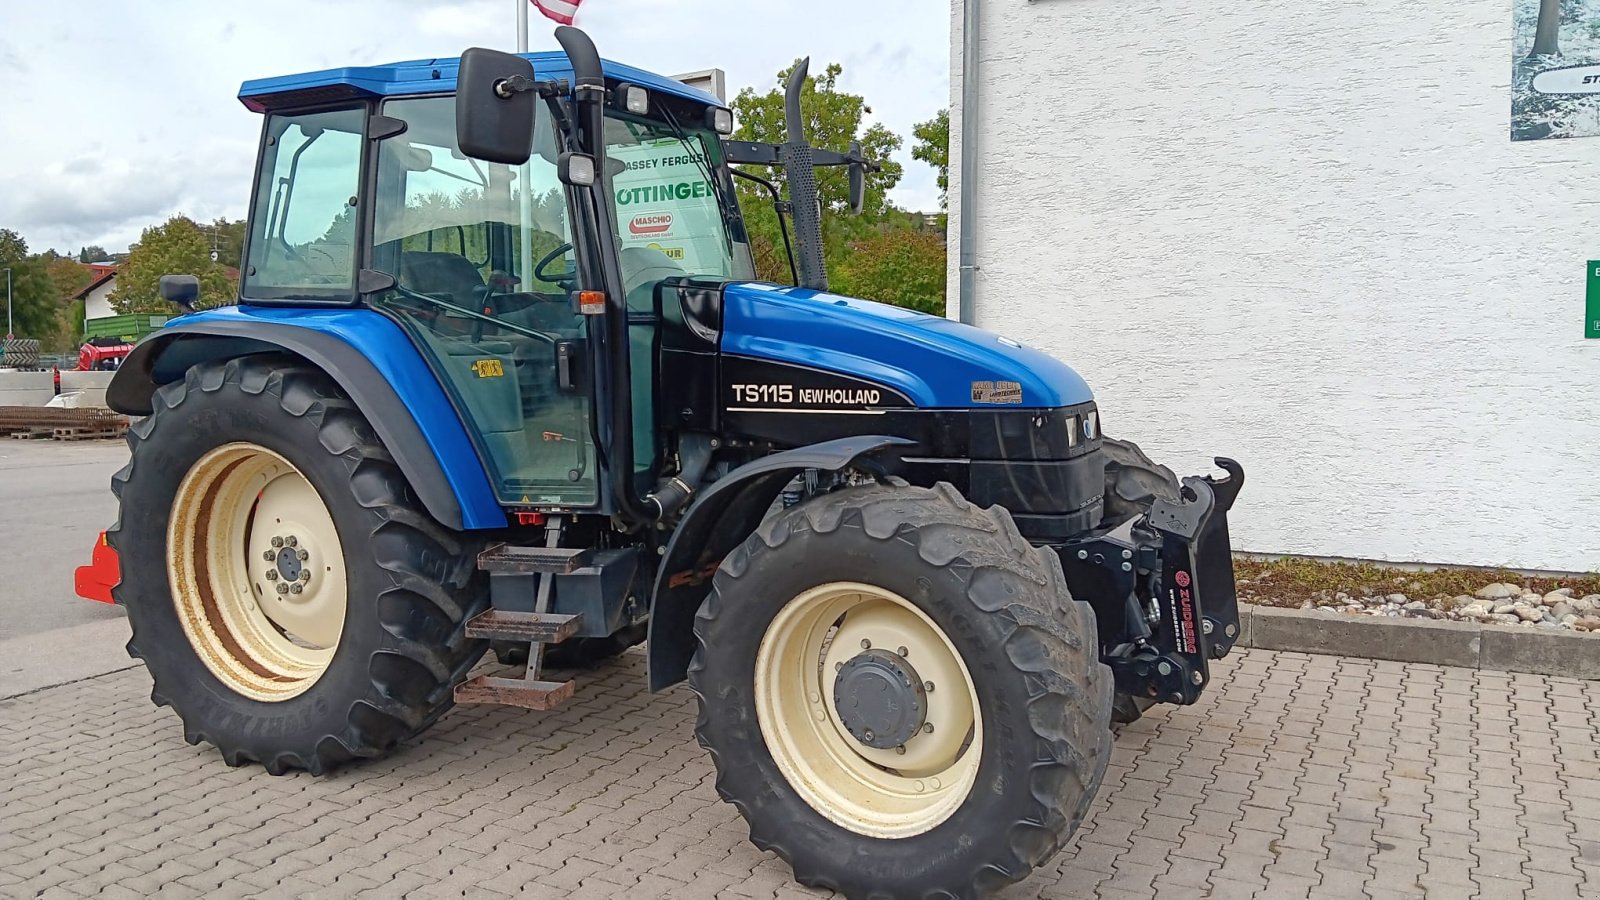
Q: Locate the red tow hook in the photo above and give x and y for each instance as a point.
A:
(104, 572)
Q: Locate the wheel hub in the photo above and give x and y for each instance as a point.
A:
(880, 699)
(289, 566)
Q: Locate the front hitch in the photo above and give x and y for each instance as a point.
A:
(1162, 586)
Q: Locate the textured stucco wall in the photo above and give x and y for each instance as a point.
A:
(1298, 234)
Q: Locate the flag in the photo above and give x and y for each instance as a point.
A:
(562, 11)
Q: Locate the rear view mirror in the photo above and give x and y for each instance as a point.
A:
(858, 180)
(495, 104)
(183, 290)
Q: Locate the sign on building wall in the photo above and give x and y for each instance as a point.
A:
(1555, 69)
(1591, 316)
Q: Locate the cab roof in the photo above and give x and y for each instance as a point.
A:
(428, 76)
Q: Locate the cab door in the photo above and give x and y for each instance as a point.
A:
(480, 255)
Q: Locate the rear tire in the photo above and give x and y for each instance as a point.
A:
(957, 583)
(211, 634)
(1133, 482)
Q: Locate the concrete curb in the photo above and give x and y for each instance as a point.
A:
(1498, 648)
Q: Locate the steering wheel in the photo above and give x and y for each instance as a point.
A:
(566, 279)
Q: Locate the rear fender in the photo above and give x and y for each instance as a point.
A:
(372, 360)
(718, 522)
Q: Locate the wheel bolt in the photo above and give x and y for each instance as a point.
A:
(901, 749)
(302, 555)
(283, 588)
(277, 541)
(867, 735)
(296, 588)
(1164, 668)
(1206, 627)
(272, 574)
(1196, 678)
(866, 644)
(268, 555)
(1127, 567)
(927, 728)
(290, 540)
(927, 686)
(1083, 554)
(305, 574)
(903, 652)
(1231, 630)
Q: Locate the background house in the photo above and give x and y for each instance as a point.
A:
(1301, 235)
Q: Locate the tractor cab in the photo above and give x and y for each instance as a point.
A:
(371, 199)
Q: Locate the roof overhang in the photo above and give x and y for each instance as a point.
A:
(426, 76)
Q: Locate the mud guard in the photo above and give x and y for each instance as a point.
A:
(717, 523)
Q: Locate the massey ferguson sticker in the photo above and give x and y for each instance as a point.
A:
(650, 224)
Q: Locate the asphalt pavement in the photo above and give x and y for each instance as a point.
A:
(55, 497)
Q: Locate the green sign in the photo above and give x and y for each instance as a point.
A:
(1591, 315)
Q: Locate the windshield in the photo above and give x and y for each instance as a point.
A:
(673, 206)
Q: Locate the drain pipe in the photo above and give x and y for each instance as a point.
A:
(965, 299)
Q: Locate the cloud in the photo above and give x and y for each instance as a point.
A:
(93, 154)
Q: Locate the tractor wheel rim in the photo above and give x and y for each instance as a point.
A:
(258, 573)
(890, 792)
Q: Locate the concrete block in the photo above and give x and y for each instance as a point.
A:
(26, 388)
(91, 384)
(1402, 640)
(1541, 651)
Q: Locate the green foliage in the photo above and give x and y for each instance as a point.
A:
(93, 253)
(832, 119)
(34, 304)
(933, 148)
(899, 266)
(178, 247)
(68, 275)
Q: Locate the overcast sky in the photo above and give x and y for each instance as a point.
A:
(119, 113)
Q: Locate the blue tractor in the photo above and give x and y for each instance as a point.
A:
(500, 376)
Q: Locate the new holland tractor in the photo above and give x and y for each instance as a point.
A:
(500, 376)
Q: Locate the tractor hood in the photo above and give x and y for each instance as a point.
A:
(937, 363)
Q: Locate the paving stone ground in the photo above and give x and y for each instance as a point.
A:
(1296, 776)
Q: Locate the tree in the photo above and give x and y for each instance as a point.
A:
(34, 304)
(93, 253)
(68, 275)
(832, 119)
(933, 148)
(897, 266)
(1548, 31)
(177, 247)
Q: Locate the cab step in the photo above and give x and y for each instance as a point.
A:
(534, 560)
(528, 627)
(536, 695)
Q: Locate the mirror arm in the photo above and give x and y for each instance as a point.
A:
(781, 206)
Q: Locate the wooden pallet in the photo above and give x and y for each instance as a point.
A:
(87, 434)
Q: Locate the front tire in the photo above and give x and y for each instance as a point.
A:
(811, 647)
(351, 636)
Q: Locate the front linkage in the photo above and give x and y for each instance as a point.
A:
(1162, 587)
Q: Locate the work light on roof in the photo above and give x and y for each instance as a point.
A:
(720, 119)
(635, 99)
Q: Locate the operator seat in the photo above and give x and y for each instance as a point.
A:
(442, 275)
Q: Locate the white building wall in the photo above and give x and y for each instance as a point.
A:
(1299, 235)
(97, 304)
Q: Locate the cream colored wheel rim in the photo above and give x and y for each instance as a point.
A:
(876, 792)
(245, 521)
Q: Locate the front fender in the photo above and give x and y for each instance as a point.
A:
(372, 360)
(718, 522)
